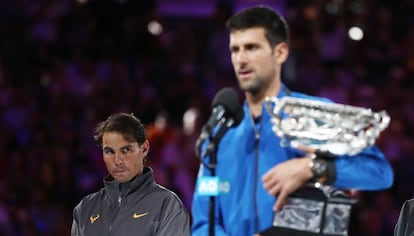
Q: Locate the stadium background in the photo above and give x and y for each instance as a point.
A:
(65, 65)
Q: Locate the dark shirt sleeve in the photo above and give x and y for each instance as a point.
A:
(75, 227)
(176, 222)
(405, 223)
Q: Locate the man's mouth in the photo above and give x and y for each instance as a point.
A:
(119, 171)
(244, 73)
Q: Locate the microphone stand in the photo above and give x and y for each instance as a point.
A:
(212, 149)
(212, 153)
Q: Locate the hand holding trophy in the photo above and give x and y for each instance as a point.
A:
(332, 129)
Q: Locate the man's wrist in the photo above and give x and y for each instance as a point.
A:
(321, 160)
(319, 168)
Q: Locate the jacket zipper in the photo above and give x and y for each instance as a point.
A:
(256, 162)
(256, 171)
(119, 206)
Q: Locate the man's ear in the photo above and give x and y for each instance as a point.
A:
(281, 51)
(145, 147)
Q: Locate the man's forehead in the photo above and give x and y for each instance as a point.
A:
(120, 146)
(250, 35)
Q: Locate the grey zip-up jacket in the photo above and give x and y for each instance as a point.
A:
(145, 209)
(405, 223)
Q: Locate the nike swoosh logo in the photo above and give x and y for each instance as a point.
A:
(136, 216)
(93, 218)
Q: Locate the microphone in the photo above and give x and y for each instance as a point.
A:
(226, 112)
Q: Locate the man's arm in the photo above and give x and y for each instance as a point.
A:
(177, 222)
(75, 227)
(369, 170)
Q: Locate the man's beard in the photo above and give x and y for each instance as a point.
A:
(253, 87)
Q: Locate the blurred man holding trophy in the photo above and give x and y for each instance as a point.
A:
(285, 163)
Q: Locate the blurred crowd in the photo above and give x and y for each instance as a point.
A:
(66, 65)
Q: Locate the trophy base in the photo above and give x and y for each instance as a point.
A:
(313, 211)
(279, 231)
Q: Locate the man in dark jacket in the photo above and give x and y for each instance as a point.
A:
(405, 224)
(131, 202)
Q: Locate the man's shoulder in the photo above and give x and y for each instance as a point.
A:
(92, 196)
(165, 195)
(410, 203)
(165, 192)
(89, 200)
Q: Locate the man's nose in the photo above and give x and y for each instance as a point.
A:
(118, 158)
(241, 57)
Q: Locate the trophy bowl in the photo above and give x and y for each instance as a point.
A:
(326, 126)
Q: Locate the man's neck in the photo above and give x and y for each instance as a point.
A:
(255, 100)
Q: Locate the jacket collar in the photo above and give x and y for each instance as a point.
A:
(138, 184)
(283, 92)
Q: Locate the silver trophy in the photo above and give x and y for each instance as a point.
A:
(332, 127)
(328, 127)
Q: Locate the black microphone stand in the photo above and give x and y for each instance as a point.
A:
(211, 151)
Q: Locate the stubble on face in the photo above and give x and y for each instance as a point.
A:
(252, 86)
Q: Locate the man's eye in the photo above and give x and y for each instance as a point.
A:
(234, 50)
(252, 47)
(108, 151)
(125, 150)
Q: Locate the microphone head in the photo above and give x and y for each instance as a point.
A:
(228, 98)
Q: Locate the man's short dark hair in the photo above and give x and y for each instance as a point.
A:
(275, 26)
(128, 125)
